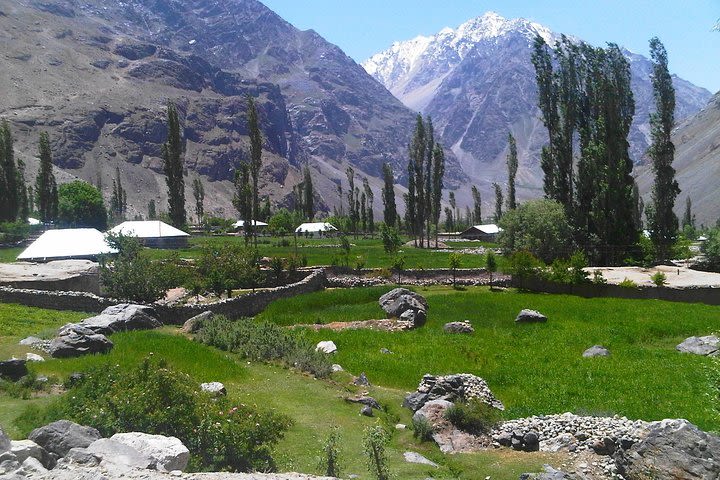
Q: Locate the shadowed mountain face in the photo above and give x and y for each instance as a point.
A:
(97, 74)
(478, 83)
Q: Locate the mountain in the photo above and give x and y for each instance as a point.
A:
(697, 164)
(97, 75)
(478, 83)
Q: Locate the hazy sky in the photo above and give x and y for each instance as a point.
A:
(364, 27)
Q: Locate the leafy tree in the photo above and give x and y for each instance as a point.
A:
(242, 200)
(512, 164)
(152, 214)
(688, 217)
(663, 222)
(455, 259)
(129, 276)
(353, 201)
(388, 196)
(118, 198)
(81, 205)
(390, 238)
(477, 205)
(256, 142)
(438, 172)
(45, 185)
(329, 461)
(199, 195)
(539, 227)
(370, 200)
(375, 440)
(172, 153)
(11, 183)
(284, 222)
(491, 265)
(498, 202)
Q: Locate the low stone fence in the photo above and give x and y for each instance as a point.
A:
(707, 295)
(247, 305)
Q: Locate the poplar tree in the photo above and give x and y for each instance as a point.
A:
(255, 160)
(242, 199)
(9, 179)
(688, 217)
(416, 181)
(352, 201)
(363, 212)
(498, 202)
(152, 214)
(438, 172)
(118, 198)
(512, 164)
(477, 205)
(172, 153)
(370, 199)
(388, 196)
(45, 185)
(662, 220)
(199, 195)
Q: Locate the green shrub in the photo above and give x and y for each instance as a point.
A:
(627, 283)
(131, 275)
(11, 232)
(659, 279)
(264, 341)
(26, 386)
(598, 278)
(329, 460)
(475, 416)
(375, 440)
(391, 239)
(422, 430)
(276, 265)
(523, 264)
(153, 398)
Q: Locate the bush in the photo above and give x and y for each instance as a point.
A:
(227, 267)
(329, 464)
(374, 442)
(475, 416)
(422, 430)
(12, 232)
(627, 283)
(523, 264)
(264, 341)
(659, 279)
(155, 399)
(598, 278)
(131, 275)
(81, 205)
(26, 386)
(390, 238)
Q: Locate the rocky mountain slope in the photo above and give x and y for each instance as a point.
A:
(97, 74)
(478, 83)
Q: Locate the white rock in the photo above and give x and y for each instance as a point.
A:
(119, 456)
(34, 357)
(327, 346)
(169, 453)
(33, 466)
(413, 457)
(215, 388)
(336, 368)
(24, 449)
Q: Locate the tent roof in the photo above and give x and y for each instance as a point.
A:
(256, 223)
(315, 227)
(489, 229)
(67, 243)
(148, 229)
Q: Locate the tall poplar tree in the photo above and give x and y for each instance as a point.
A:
(199, 194)
(172, 153)
(118, 198)
(256, 141)
(688, 217)
(45, 185)
(498, 202)
(438, 172)
(388, 196)
(370, 200)
(353, 201)
(477, 205)
(663, 223)
(242, 200)
(416, 181)
(512, 164)
(9, 182)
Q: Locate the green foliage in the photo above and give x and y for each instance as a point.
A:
(539, 227)
(422, 430)
(711, 248)
(11, 232)
(598, 278)
(172, 154)
(153, 398)
(375, 439)
(627, 283)
(130, 275)
(118, 199)
(276, 265)
(26, 387)
(578, 263)
(475, 416)
(491, 262)
(512, 164)
(388, 196)
(80, 204)
(264, 341)
(455, 259)
(228, 267)
(397, 264)
(45, 185)
(199, 194)
(523, 264)
(329, 464)
(391, 239)
(659, 279)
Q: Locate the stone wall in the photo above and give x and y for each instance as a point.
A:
(247, 305)
(707, 295)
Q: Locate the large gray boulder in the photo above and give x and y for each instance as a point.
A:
(13, 369)
(59, 437)
(123, 317)
(405, 304)
(549, 474)
(118, 456)
(4, 441)
(530, 316)
(76, 340)
(24, 449)
(707, 345)
(672, 450)
(460, 386)
(168, 453)
(195, 323)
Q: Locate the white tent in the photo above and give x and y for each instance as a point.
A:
(487, 232)
(254, 223)
(317, 228)
(153, 233)
(72, 243)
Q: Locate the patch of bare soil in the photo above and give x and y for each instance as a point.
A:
(676, 277)
(385, 325)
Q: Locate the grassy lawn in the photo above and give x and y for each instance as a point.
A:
(8, 255)
(533, 369)
(323, 251)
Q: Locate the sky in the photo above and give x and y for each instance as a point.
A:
(364, 27)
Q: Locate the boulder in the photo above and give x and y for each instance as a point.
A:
(33, 357)
(216, 389)
(433, 412)
(364, 400)
(13, 369)
(416, 317)
(32, 466)
(115, 454)
(195, 323)
(399, 301)
(672, 449)
(5, 443)
(530, 316)
(327, 346)
(604, 446)
(461, 386)
(31, 341)
(596, 351)
(362, 380)
(81, 456)
(75, 342)
(414, 457)
(458, 327)
(8, 465)
(549, 474)
(168, 453)
(123, 317)
(24, 449)
(59, 437)
(707, 345)
(366, 411)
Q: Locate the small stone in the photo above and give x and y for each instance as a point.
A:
(596, 351)
(327, 346)
(33, 357)
(336, 368)
(530, 316)
(458, 327)
(400, 426)
(414, 457)
(385, 351)
(216, 389)
(362, 380)
(366, 410)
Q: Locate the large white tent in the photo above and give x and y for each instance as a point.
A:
(65, 244)
(254, 223)
(316, 229)
(152, 233)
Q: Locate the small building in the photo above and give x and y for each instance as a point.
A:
(67, 244)
(239, 226)
(153, 233)
(485, 233)
(316, 229)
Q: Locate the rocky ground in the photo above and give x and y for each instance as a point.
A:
(75, 472)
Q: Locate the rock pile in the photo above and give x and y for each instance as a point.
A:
(461, 386)
(406, 305)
